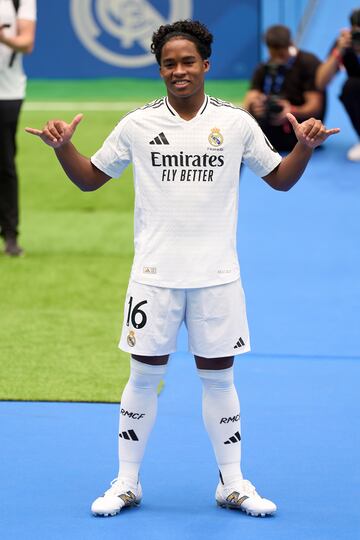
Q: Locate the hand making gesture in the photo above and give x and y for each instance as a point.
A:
(311, 132)
(56, 132)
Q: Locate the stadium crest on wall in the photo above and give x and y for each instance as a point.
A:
(119, 32)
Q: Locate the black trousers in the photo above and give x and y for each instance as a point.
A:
(350, 96)
(9, 204)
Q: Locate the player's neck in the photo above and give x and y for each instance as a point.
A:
(187, 107)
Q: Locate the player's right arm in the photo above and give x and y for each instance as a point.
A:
(57, 134)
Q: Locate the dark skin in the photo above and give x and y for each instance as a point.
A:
(183, 70)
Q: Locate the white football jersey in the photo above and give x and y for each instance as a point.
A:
(186, 177)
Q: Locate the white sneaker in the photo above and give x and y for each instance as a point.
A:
(123, 492)
(242, 496)
(354, 153)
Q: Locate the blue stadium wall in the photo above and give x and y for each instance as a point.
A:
(110, 38)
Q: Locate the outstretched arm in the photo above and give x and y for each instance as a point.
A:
(326, 71)
(77, 167)
(309, 134)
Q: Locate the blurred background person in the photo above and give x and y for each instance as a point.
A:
(17, 35)
(285, 83)
(345, 53)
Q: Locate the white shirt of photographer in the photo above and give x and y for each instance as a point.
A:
(13, 79)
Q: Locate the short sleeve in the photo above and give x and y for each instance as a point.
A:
(259, 154)
(27, 10)
(115, 154)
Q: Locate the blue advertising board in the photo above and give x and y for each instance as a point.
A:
(111, 38)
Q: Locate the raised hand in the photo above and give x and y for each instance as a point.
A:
(344, 40)
(311, 132)
(56, 132)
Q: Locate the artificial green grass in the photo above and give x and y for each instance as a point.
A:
(143, 90)
(62, 302)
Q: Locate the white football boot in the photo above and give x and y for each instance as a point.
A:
(241, 495)
(123, 492)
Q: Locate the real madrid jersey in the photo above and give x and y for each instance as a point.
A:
(186, 177)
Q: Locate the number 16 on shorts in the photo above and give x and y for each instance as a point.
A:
(152, 317)
(136, 319)
(135, 314)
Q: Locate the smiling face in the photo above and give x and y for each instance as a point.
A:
(182, 68)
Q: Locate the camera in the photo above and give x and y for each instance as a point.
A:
(355, 37)
(272, 105)
(275, 74)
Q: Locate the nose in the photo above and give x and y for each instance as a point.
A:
(179, 70)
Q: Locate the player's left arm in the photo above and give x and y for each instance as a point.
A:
(24, 39)
(309, 134)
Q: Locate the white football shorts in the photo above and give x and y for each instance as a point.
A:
(215, 318)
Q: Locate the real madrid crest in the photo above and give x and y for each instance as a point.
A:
(131, 340)
(215, 138)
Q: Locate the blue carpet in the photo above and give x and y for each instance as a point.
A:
(300, 447)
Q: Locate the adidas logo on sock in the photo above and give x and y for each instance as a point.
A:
(129, 435)
(240, 343)
(234, 439)
(160, 139)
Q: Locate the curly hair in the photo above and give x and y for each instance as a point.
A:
(193, 31)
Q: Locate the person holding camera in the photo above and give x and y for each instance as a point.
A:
(17, 35)
(285, 84)
(345, 53)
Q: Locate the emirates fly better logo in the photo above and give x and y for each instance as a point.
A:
(119, 32)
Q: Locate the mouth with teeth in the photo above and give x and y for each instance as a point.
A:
(181, 83)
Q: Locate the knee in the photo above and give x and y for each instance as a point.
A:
(145, 376)
(217, 380)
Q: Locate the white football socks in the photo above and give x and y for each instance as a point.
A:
(221, 414)
(138, 410)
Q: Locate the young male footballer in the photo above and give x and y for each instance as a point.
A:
(186, 149)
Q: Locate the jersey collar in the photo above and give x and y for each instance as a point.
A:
(199, 113)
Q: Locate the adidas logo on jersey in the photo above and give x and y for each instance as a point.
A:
(160, 139)
(234, 439)
(239, 343)
(127, 435)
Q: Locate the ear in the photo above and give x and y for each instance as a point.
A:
(206, 66)
(161, 75)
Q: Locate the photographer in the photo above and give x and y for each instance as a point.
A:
(17, 34)
(286, 83)
(345, 53)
